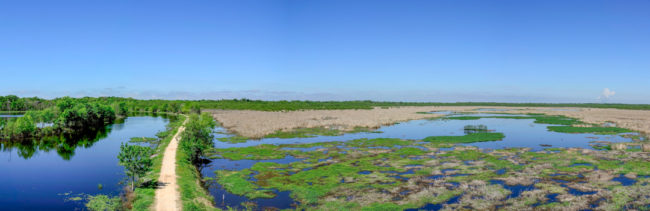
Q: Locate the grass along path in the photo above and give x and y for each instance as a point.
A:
(168, 196)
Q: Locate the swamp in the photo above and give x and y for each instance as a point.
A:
(480, 161)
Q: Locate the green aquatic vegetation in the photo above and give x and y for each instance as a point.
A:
(633, 197)
(596, 130)
(634, 137)
(608, 164)
(497, 163)
(269, 166)
(259, 152)
(602, 147)
(539, 118)
(553, 205)
(555, 120)
(103, 203)
(551, 188)
(236, 182)
(150, 141)
(378, 142)
(304, 133)
(410, 151)
(316, 131)
(576, 168)
(469, 138)
(355, 168)
(640, 167)
(233, 139)
(471, 154)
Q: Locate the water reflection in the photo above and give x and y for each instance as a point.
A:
(37, 172)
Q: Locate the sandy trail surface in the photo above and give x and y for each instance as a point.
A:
(256, 124)
(168, 196)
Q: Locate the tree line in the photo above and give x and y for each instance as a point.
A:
(125, 105)
(68, 115)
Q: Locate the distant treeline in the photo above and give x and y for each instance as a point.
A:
(68, 115)
(125, 105)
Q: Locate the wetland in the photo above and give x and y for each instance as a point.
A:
(459, 161)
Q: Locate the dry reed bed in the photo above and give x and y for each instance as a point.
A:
(256, 124)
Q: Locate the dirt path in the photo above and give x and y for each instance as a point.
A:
(167, 196)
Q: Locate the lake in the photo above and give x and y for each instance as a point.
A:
(42, 174)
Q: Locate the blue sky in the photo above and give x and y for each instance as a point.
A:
(505, 51)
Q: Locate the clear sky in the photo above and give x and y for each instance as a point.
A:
(505, 51)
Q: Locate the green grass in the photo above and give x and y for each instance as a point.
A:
(596, 130)
(316, 131)
(304, 133)
(235, 182)
(469, 138)
(193, 195)
(259, 152)
(385, 142)
(233, 139)
(539, 118)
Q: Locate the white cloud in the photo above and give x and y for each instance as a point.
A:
(606, 94)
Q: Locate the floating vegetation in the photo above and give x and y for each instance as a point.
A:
(371, 173)
(595, 130)
(152, 142)
(437, 172)
(539, 119)
(469, 138)
(233, 139)
(317, 131)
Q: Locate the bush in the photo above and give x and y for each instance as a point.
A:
(197, 137)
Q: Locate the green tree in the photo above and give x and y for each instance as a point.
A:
(136, 161)
(196, 108)
(48, 115)
(65, 103)
(24, 126)
(121, 109)
(197, 137)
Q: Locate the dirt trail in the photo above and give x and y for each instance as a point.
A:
(168, 196)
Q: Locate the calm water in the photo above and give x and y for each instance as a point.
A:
(10, 115)
(37, 175)
(518, 132)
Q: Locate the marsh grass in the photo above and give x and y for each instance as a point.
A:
(469, 138)
(193, 194)
(316, 131)
(595, 130)
(354, 175)
(233, 139)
